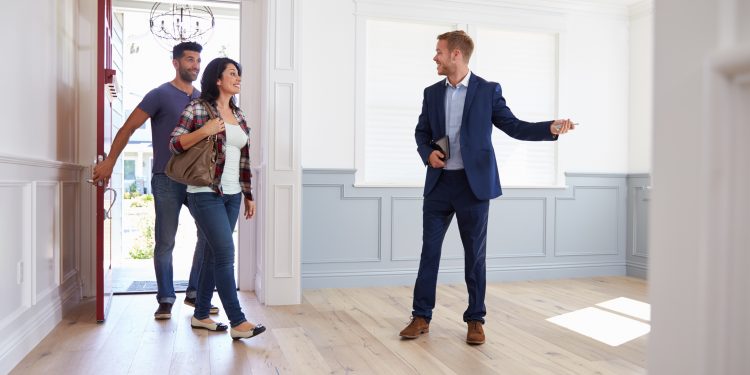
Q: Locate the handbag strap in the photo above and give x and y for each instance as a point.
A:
(209, 109)
(211, 115)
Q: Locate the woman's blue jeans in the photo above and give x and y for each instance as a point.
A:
(216, 217)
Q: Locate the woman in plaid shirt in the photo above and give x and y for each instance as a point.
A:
(216, 207)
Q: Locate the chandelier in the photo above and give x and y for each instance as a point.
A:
(176, 23)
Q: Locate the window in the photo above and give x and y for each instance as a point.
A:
(398, 66)
(525, 65)
(129, 169)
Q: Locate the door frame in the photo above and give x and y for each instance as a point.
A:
(270, 52)
(104, 77)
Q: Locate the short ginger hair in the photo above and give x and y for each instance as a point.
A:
(458, 39)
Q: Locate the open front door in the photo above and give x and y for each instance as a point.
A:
(105, 197)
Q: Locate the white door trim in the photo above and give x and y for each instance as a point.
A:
(270, 54)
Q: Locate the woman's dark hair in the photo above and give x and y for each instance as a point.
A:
(211, 74)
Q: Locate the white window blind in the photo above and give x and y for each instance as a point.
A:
(398, 66)
(525, 65)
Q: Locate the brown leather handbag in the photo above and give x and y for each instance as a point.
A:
(197, 165)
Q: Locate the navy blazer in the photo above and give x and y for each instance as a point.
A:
(484, 107)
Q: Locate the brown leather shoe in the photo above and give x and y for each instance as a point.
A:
(475, 334)
(416, 327)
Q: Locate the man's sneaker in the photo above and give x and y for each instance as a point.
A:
(191, 302)
(164, 311)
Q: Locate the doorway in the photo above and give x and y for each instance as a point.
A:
(143, 62)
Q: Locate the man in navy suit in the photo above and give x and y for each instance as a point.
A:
(463, 107)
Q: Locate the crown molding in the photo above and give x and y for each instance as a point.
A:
(617, 8)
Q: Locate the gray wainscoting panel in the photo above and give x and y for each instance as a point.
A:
(639, 195)
(406, 228)
(640, 225)
(339, 229)
(366, 236)
(516, 227)
(588, 223)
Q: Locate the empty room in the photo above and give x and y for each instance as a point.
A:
(385, 187)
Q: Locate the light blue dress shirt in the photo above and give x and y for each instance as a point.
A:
(455, 96)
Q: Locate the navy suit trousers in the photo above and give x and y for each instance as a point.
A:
(452, 195)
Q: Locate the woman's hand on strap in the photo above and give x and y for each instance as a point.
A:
(212, 126)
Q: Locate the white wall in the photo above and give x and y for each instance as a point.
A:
(40, 178)
(327, 84)
(39, 77)
(641, 86)
(594, 77)
(594, 92)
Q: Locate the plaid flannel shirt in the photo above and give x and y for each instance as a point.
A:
(193, 118)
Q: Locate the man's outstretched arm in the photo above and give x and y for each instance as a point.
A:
(103, 171)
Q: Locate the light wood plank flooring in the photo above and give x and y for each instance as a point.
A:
(349, 331)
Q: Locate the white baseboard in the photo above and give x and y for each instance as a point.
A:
(22, 335)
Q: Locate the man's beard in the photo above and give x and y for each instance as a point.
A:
(186, 75)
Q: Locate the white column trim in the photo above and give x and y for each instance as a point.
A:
(277, 280)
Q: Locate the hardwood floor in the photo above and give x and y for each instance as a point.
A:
(343, 331)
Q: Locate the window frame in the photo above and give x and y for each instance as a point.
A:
(465, 16)
(135, 168)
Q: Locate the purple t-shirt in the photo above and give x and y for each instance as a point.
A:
(164, 105)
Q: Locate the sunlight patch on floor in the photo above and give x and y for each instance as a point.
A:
(627, 306)
(604, 326)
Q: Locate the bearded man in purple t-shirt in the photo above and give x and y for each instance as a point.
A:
(163, 105)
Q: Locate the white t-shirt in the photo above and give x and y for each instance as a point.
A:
(236, 139)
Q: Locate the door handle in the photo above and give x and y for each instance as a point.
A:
(99, 158)
(108, 211)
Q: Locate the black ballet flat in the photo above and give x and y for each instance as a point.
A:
(236, 335)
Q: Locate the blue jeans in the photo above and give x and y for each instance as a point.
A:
(453, 195)
(216, 216)
(169, 196)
